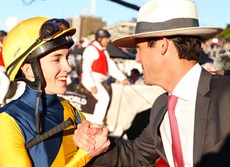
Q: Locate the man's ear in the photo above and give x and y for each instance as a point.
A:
(164, 45)
(28, 71)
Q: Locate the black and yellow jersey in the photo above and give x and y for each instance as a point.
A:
(18, 127)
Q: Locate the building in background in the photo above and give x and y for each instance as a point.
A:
(121, 29)
(86, 25)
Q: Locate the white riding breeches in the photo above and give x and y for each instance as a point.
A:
(101, 106)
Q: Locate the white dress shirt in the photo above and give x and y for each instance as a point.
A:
(186, 91)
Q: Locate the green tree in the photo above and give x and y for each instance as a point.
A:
(225, 33)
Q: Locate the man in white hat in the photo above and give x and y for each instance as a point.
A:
(189, 125)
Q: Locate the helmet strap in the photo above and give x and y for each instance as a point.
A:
(38, 75)
(38, 84)
(35, 64)
(37, 113)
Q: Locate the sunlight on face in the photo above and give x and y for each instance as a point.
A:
(148, 58)
(55, 68)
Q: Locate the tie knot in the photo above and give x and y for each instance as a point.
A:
(172, 100)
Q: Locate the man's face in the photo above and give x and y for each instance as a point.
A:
(151, 61)
(104, 41)
(55, 68)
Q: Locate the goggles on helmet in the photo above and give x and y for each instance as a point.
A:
(48, 31)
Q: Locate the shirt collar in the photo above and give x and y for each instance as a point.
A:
(97, 44)
(186, 88)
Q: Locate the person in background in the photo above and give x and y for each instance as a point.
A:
(36, 51)
(136, 77)
(76, 59)
(189, 124)
(222, 64)
(209, 66)
(96, 67)
(74, 77)
(4, 80)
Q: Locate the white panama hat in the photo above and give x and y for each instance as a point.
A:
(158, 18)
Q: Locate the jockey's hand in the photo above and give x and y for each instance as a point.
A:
(126, 82)
(91, 138)
(94, 90)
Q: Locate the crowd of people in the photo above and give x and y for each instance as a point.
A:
(188, 125)
(215, 56)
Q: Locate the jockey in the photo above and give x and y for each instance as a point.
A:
(96, 67)
(36, 51)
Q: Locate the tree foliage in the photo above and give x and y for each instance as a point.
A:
(225, 33)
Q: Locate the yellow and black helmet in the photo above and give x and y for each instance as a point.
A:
(33, 38)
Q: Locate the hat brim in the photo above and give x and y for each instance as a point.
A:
(204, 32)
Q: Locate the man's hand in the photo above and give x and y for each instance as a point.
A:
(94, 90)
(91, 138)
(126, 82)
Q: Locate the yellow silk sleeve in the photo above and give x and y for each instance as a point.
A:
(12, 147)
(80, 159)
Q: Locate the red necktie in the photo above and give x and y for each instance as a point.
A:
(176, 143)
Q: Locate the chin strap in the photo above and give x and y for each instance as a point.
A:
(37, 113)
(38, 84)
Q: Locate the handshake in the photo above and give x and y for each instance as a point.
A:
(92, 138)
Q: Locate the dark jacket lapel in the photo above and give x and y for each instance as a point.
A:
(157, 123)
(201, 111)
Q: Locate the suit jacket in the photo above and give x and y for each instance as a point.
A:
(211, 131)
